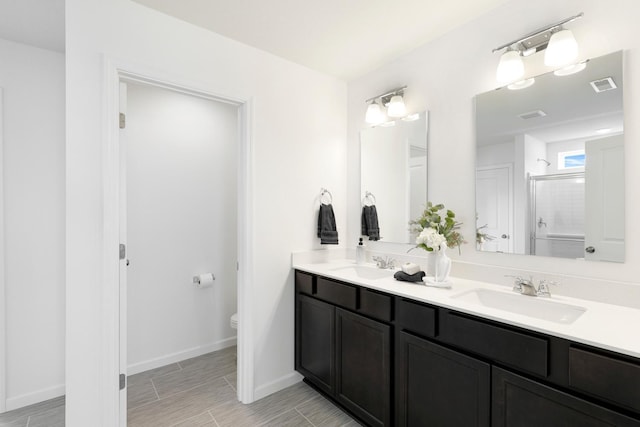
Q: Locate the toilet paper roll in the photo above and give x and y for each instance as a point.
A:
(204, 280)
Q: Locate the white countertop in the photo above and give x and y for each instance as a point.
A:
(606, 326)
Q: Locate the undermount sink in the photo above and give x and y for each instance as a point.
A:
(365, 272)
(536, 307)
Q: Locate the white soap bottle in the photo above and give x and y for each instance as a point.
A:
(361, 257)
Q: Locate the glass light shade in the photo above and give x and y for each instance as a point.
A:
(510, 68)
(374, 114)
(562, 49)
(396, 107)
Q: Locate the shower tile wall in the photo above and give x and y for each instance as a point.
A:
(560, 207)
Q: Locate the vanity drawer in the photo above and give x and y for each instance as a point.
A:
(304, 283)
(520, 350)
(416, 317)
(375, 304)
(337, 293)
(607, 377)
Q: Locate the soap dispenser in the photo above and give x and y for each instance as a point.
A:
(360, 255)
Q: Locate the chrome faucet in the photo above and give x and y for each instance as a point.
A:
(385, 262)
(527, 287)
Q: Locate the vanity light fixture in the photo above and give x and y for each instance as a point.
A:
(560, 45)
(394, 102)
(396, 107)
(562, 49)
(510, 67)
(374, 114)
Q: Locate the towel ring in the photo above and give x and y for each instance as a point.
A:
(369, 199)
(324, 193)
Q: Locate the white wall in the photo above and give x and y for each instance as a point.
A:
(33, 169)
(298, 139)
(181, 222)
(444, 76)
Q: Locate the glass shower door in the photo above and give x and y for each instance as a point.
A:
(557, 215)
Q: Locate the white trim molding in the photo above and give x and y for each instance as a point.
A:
(114, 73)
(3, 320)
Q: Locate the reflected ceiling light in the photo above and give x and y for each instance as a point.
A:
(522, 84)
(603, 131)
(571, 69)
(392, 100)
(560, 45)
(510, 67)
(411, 117)
(374, 114)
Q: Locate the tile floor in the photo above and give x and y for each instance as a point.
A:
(199, 392)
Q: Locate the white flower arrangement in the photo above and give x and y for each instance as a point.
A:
(431, 239)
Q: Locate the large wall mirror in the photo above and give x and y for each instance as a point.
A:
(393, 168)
(550, 165)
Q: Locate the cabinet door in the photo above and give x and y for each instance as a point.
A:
(436, 386)
(518, 401)
(363, 362)
(315, 339)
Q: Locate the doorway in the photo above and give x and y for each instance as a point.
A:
(230, 201)
(494, 207)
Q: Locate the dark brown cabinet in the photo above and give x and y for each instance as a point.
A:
(518, 401)
(315, 340)
(394, 361)
(436, 386)
(343, 353)
(363, 367)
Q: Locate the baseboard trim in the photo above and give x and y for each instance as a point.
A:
(34, 397)
(157, 362)
(276, 385)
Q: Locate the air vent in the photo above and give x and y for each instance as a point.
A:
(532, 114)
(603, 85)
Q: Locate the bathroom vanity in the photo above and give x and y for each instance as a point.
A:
(402, 354)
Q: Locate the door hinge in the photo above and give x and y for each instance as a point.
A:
(123, 250)
(123, 120)
(123, 381)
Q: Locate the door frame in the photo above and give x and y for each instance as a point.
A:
(3, 299)
(116, 72)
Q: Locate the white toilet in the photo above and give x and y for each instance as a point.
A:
(234, 321)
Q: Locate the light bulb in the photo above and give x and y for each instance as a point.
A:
(374, 114)
(562, 49)
(510, 68)
(396, 107)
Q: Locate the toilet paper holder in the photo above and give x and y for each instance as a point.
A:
(196, 279)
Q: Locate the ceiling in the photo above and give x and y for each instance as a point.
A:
(344, 38)
(573, 109)
(37, 23)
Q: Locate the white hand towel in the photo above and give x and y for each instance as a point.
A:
(410, 268)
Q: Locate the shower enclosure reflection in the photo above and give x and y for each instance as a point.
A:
(557, 215)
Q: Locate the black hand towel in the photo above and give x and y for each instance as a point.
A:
(369, 222)
(402, 276)
(327, 231)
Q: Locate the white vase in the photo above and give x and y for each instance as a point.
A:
(442, 265)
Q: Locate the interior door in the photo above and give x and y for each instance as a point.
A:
(604, 199)
(494, 207)
(123, 254)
